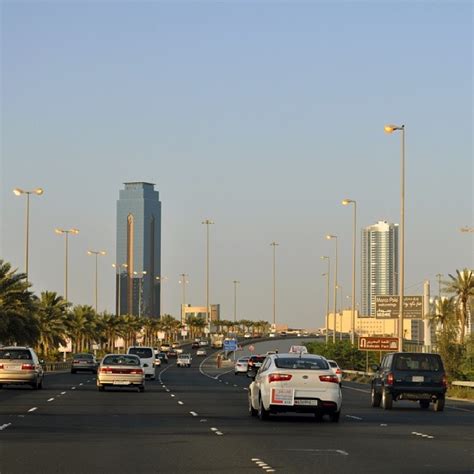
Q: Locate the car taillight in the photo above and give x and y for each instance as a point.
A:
(338, 371)
(279, 377)
(136, 371)
(390, 379)
(28, 367)
(105, 370)
(329, 378)
(444, 381)
(1, 366)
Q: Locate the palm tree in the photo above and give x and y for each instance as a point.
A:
(196, 325)
(82, 327)
(17, 305)
(132, 326)
(51, 315)
(443, 314)
(168, 325)
(462, 287)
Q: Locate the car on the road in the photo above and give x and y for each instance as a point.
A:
(157, 362)
(84, 362)
(147, 358)
(201, 352)
(165, 347)
(301, 383)
(272, 334)
(20, 365)
(419, 377)
(162, 356)
(203, 343)
(121, 370)
(195, 345)
(241, 365)
(172, 353)
(298, 349)
(184, 360)
(254, 363)
(247, 335)
(336, 369)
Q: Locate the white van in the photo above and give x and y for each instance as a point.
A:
(147, 358)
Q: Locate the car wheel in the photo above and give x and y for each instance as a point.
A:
(1, 385)
(252, 410)
(141, 388)
(439, 404)
(424, 404)
(334, 417)
(262, 413)
(375, 398)
(387, 400)
(101, 388)
(40, 384)
(35, 385)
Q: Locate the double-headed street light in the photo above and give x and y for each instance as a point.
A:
(346, 202)
(161, 280)
(19, 192)
(66, 233)
(331, 237)
(391, 129)
(96, 253)
(118, 271)
(328, 276)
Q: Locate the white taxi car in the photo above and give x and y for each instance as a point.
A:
(296, 382)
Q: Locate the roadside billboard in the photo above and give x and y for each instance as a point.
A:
(372, 343)
(388, 307)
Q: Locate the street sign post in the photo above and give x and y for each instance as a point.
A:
(369, 343)
(230, 345)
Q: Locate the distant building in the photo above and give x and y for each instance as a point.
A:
(138, 250)
(379, 264)
(200, 312)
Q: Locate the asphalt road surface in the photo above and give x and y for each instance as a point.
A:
(195, 420)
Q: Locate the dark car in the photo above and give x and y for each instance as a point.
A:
(409, 376)
(162, 356)
(195, 345)
(84, 362)
(254, 363)
(172, 353)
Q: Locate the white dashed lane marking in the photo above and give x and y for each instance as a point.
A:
(50, 399)
(423, 435)
(63, 393)
(354, 417)
(263, 465)
(180, 402)
(73, 388)
(5, 426)
(193, 413)
(32, 409)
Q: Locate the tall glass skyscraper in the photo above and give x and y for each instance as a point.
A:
(379, 264)
(139, 250)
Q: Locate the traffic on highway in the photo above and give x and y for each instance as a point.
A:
(290, 415)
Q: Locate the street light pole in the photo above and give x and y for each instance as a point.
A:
(207, 222)
(346, 202)
(183, 281)
(391, 129)
(328, 276)
(96, 253)
(330, 237)
(236, 282)
(19, 192)
(66, 233)
(274, 245)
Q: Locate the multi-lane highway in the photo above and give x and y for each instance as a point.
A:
(196, 420)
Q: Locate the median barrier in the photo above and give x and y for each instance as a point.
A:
(56, 366)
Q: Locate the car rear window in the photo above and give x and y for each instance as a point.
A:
(332, 364)
(15, 354)
(301, 363)
(257, 358)
(142, 352)
(83, 356)
(418, 362)
(121, 359)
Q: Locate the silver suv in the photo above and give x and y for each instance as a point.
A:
(20, 365)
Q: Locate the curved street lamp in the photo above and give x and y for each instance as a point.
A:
(19, 192)
(66, 233)
(390, 129)
(334, 237)
(346, 202)
(96, 253)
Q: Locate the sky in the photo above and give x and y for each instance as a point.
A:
(261, 116)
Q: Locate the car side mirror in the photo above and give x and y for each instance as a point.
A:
(375, 367)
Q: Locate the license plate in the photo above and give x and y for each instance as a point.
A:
(121, 382)
(306, 402)
(418, 378)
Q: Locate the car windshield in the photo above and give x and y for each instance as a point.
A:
(418, 362)
(15, 354)
(301, 363)
(121, 359)
(142, 352)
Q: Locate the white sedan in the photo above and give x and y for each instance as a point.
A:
(303, 383)
(336, 369)
(241, 365)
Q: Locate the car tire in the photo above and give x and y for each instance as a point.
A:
(35, 385)
(424, 404)
(141, 388)
(334, 417)
(40, 385)
(375, 398)
(387, 400)
(262, 413)
(252, 410)
(439, 404)
(101, 388)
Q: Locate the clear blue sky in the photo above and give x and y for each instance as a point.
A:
(259, 116)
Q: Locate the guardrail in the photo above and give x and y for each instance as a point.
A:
(54, 366)
(463, 383)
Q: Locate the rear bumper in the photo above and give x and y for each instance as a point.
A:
(416, 393)
(87, 368)
(28, 377)
(323, 406)
(120, 379)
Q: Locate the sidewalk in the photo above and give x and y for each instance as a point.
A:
(209, 367)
